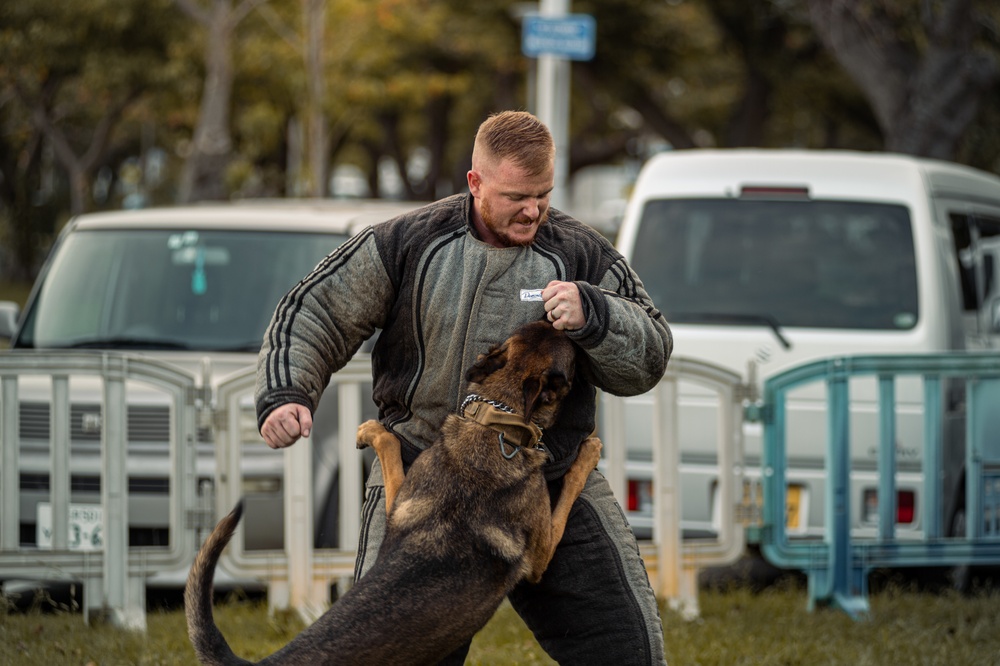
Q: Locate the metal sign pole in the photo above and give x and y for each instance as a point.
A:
(553, 103)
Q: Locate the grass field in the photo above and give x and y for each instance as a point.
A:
(736, 627)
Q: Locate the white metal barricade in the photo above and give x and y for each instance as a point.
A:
(299, 576)
(673, 562)
(114, 577)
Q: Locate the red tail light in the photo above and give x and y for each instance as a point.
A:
(905, 501)
(774, 192)
(633, 496)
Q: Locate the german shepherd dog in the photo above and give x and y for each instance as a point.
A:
(472, 519)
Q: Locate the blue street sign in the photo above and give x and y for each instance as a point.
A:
(571, 36)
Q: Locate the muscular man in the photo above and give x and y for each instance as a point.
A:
(445, 283)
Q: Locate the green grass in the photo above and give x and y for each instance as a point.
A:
(772, 627)
(736, 627)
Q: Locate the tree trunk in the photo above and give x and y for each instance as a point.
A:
(203, 177)
(316, 145)
(749, 118)
(19, 252)
(78, 166)
(438, 114)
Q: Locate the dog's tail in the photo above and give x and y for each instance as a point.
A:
(208, 642)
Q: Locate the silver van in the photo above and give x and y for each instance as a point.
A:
(194, 287)
(766, 259)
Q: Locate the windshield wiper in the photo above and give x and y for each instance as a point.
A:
(124, 343)
(735, 318)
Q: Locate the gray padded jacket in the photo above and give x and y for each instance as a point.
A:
(440, 297)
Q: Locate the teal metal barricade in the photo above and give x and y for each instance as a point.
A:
(838, 565)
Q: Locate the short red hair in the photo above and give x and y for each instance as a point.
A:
(517, 136)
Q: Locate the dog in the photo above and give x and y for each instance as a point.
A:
(471, 519)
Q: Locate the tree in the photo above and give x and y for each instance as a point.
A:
(266, 93)
(921, 66)
(420, 79)
(308, 159)
(23, 191)
(77, 70)
(212, 145)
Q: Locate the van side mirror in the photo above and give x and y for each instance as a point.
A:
(9, 311)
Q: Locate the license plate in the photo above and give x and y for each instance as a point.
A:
(750, 509)
(795, 513)
(85, 526)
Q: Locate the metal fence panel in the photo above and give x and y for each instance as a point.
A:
(674, 562)
(114, 577)
(838, 566)
(298, 576)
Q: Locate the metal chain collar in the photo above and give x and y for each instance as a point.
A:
(474, 397)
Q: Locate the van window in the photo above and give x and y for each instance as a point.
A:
(824, 264)
(202, 289)
(977, 250)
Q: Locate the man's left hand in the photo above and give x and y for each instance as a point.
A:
(562, 305)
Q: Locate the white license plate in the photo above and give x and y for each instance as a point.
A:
(85, 526)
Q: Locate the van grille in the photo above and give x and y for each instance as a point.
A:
(89, 483)
(34, 420)
(145, 423)
(148, 424)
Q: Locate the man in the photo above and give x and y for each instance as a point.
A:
(445, 283)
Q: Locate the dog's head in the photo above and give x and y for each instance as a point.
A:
(533, 369)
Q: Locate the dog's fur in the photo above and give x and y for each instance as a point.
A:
(465, 527)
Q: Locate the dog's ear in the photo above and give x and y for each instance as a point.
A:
(487, 364)
(539, 392)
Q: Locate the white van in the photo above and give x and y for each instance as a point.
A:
(765, 259)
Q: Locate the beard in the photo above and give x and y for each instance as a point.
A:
(501, 228)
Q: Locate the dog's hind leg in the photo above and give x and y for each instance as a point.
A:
(386, 445)
(573, 483)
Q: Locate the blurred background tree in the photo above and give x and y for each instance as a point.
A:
(117, 103)
(78, 84)
(924, 67)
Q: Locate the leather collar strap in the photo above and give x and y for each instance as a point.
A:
(514, 429)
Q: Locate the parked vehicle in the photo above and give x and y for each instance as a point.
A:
(765, 259)
(194, 287)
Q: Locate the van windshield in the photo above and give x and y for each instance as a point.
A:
(822, 264)
(206, 290)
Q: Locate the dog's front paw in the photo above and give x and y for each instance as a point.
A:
(590, 450)
(368, 431)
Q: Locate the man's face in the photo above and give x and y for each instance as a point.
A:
(509, 203)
